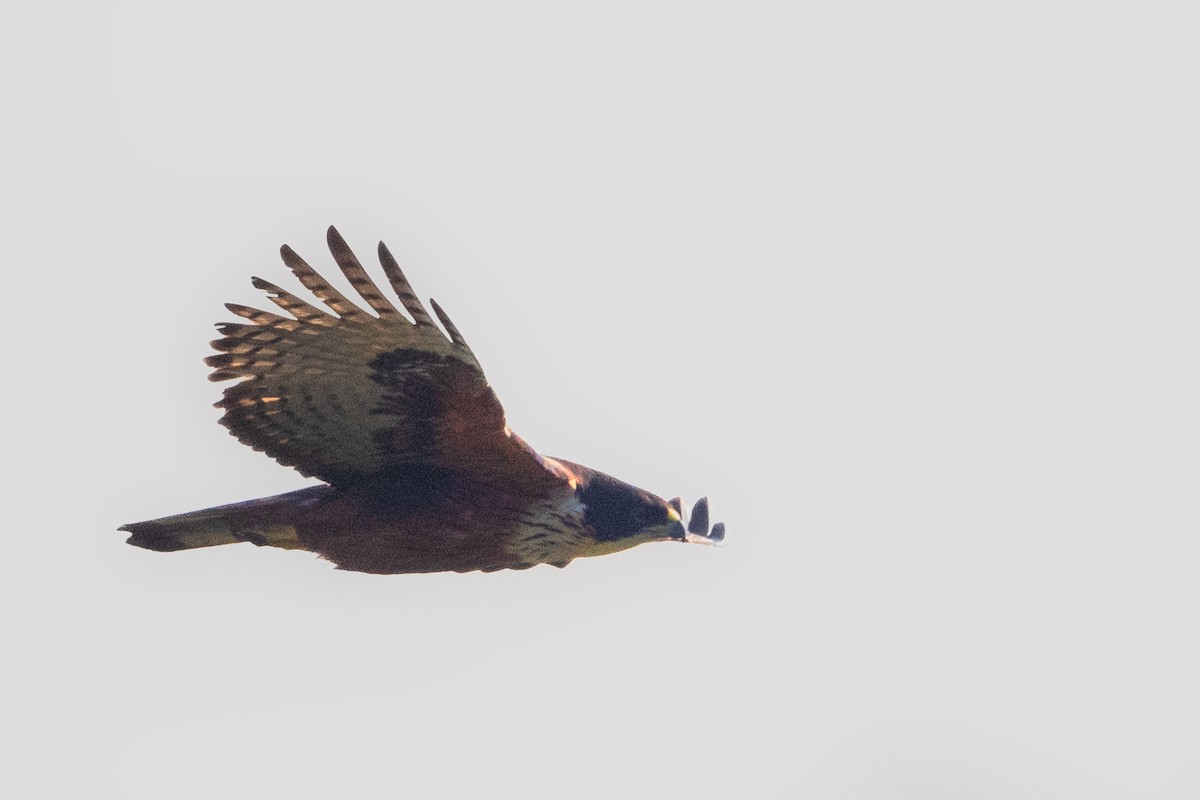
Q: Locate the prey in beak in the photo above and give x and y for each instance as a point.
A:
(697, 530)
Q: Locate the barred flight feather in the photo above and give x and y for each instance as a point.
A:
(319, 286)
(292, 304)
(408, 298)
(357, 276)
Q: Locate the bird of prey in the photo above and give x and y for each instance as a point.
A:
(421, 473)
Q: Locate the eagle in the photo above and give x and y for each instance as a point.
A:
(419, 470)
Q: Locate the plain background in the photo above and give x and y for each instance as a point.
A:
(909, 289)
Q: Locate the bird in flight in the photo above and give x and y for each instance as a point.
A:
(421, 473)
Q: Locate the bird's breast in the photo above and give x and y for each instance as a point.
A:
(550, 531)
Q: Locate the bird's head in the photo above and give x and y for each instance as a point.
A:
(618, 515)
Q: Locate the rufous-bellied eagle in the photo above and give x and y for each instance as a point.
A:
(420, 471)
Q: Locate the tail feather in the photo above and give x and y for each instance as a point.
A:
(267, 521)
(182, 531)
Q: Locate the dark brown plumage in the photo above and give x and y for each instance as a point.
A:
(422, 474)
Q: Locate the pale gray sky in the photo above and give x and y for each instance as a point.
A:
(909, 290)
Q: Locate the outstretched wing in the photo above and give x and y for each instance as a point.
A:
(344, 395)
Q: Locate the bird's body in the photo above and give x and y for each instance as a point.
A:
(422, 473)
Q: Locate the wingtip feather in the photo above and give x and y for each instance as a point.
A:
(334, 239)
(400, 285)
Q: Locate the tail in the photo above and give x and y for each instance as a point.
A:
(267, 521)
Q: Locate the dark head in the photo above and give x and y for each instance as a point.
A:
(618, 515)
